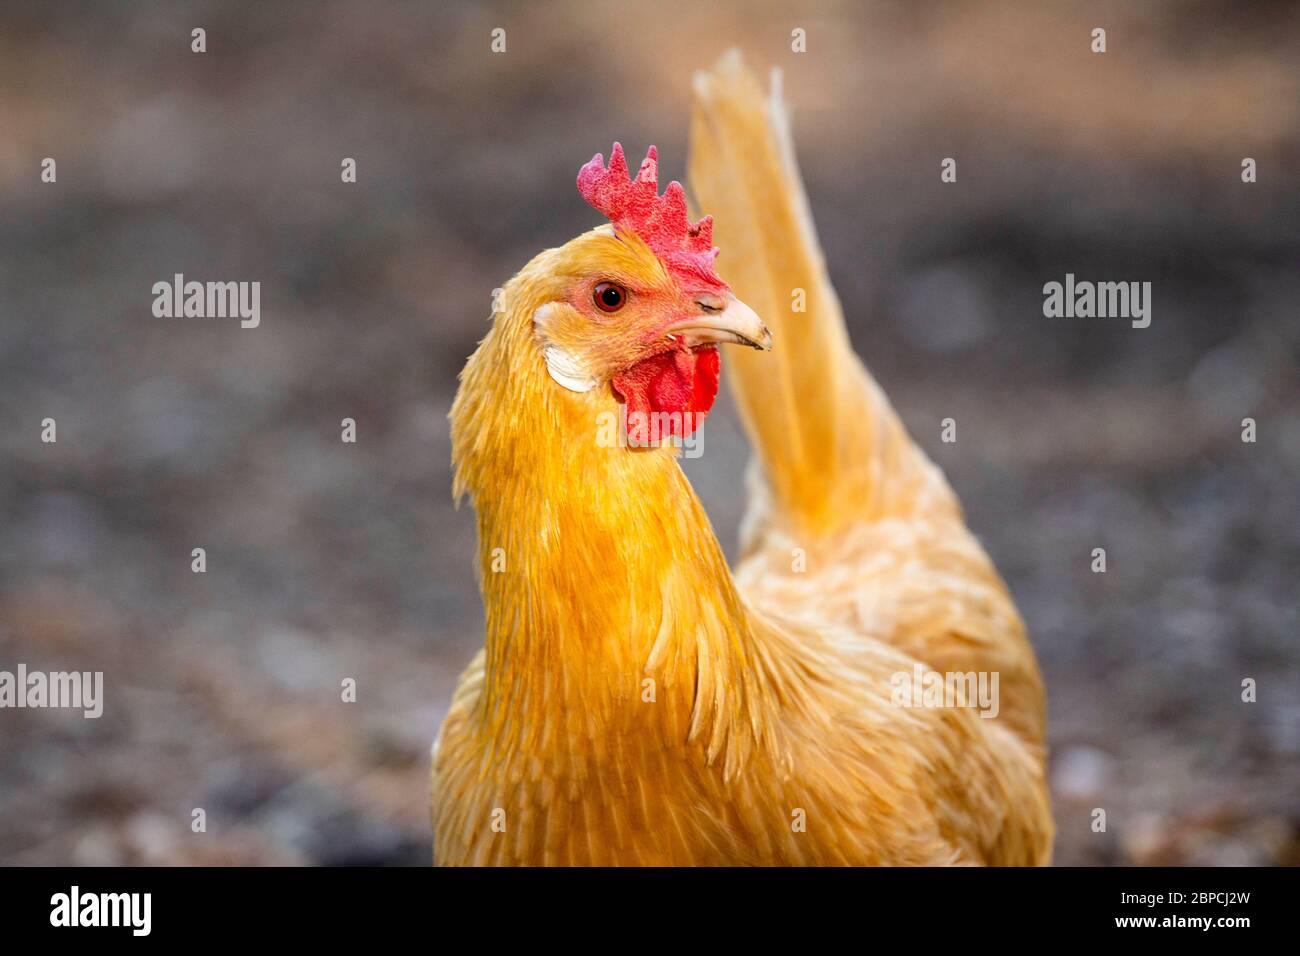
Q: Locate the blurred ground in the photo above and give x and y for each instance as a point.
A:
(328, 560)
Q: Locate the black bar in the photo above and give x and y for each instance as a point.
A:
(932, 908)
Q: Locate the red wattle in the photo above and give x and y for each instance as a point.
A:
(668, 394)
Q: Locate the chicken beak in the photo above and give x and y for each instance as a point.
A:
(721, 320)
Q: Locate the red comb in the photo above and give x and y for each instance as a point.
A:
(635, 205)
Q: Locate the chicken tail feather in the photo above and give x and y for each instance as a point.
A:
(827, 440)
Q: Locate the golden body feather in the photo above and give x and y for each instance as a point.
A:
(638, 704)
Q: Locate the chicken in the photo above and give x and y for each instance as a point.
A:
(636, 702)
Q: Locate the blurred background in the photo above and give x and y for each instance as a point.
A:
(329, 560)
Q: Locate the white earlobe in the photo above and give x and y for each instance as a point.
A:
(563, 366)
(567, 371)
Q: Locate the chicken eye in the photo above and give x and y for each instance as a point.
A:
(608, 296)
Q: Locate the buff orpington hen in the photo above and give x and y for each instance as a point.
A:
(639, 703)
